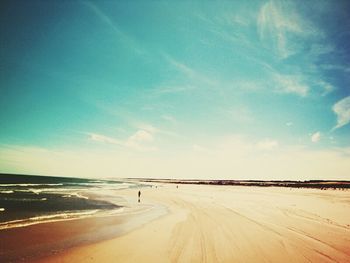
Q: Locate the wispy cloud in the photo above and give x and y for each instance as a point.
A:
(273, 24)
(284, 30)
(327, 87)
(173, 89)
(236, 19)
(169, 118)
(290, 84)
(343, 68)
(145, 126)
(318, 49)
(278, 22)
(299, 83)
(250, 85)
(105, 139)
(281, 29)
(230, 27)
(342, 110)
(154, 130)
(189, 72)
(140, 140)
(120, 34)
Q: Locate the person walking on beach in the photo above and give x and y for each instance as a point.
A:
(139, 194)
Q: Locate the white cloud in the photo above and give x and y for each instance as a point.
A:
(139, 141)
(267, 145)
(290, 84)
(154, 130)
(342, 110)
(102, 138)
(141, 136)
(316, 137)
(147, 127)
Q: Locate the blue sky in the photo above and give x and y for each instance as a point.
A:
(185, 89)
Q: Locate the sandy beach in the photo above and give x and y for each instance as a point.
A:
(158, 131)
(206, 224)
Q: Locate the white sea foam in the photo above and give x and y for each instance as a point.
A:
(29, 184)
(50, 190)
(59, 217)
(48, 218)
(116, 211)
(81, 196)
(79, 190)
(36, 191)
(6, 192)
(63, 215)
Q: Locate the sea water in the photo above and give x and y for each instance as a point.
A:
(26, 200)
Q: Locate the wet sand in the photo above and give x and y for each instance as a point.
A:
(225, 224)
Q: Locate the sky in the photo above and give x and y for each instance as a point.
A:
(176, 89)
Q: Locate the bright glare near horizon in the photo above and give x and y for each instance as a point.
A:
(176, 89)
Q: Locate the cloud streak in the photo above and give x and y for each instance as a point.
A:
(189, 72)
(105, 139)
(342, 110)
(128, 41)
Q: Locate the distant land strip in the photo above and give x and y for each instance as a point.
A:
(318, 184)
(6, 178)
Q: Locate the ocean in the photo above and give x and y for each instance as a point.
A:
(27, 199)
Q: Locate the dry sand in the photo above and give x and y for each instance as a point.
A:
(230, 224)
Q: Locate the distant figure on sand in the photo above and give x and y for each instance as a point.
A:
(139, 194)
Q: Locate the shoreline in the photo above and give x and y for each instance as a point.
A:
(42, 239)
(206, 223)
